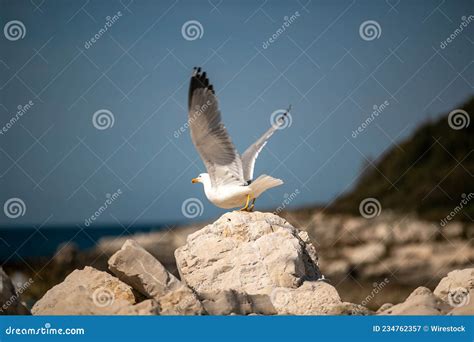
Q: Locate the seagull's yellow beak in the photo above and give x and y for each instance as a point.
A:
(194, 180)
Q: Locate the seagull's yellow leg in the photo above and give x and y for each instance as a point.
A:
(246, 204)
(252, 205)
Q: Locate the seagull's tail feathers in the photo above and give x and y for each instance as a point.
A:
(263, 183)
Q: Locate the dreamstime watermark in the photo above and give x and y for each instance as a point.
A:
(111, 198)
(46, 330)
(14, 208)
(458, 297)
(185, 306)
(281, 119)
(103, 297)
(21, 110)
(457, 209)
(280, 297)
(14, 30)
(288, 20)
(15, 298)
(377, 287)
(377, 110)
(464, 23)
(370, 207)
(458, 119)
(288, 198)
(110, 21)
(370, 30)
(103, 119)
(192, 208)
(192, 30)
(197, 112)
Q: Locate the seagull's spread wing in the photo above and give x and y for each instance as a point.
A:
(209, 134)
(251, 154)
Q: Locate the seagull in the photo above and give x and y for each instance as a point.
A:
(228, 182)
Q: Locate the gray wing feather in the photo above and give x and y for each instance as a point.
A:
(251, 153)
(209, 134)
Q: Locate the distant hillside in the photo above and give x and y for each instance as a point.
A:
(431, 173)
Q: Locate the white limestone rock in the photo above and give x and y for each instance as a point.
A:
(247, 252)
(135, 266)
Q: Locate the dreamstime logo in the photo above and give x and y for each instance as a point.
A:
(110, 21)
(47, 329)
(458, 297)
(103, 119)
(288, 199)
(110, 198)
(458, 119)
(14, 30)
(192, 208)
(286, 24)
(370, 207)
(15, 298)
(103, 297)
(464, 201)
(14, 208)
(370, 30)
(377, 110)
(377, 287)
(280, 297)
(465, 22)
(198, 111)
(192, 30)
(281, 119)
(21, 110)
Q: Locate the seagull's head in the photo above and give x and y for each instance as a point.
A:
(202, 178)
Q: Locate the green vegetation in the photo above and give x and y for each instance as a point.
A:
(429, 173)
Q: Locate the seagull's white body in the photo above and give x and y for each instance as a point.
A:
(228, 183)
(226, 196)
(232, 196)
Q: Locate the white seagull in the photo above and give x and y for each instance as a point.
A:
(228, 182)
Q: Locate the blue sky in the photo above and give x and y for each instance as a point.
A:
(63, 168)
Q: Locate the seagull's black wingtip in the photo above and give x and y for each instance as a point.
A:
(199, 80)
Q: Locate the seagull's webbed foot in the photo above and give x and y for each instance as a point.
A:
(252, 205)
(246, 207)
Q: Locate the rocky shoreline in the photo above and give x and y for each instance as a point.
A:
(243, 263)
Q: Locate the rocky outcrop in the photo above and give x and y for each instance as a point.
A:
(133, 265)
(458, 279)
(452, 296)
(417, 251)
(457, 289)
(91, 292)
(10, 303)
(238, 252)
(161, 244)
(256, 263)
(313, 298)
(420, 302)
(250, 263)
